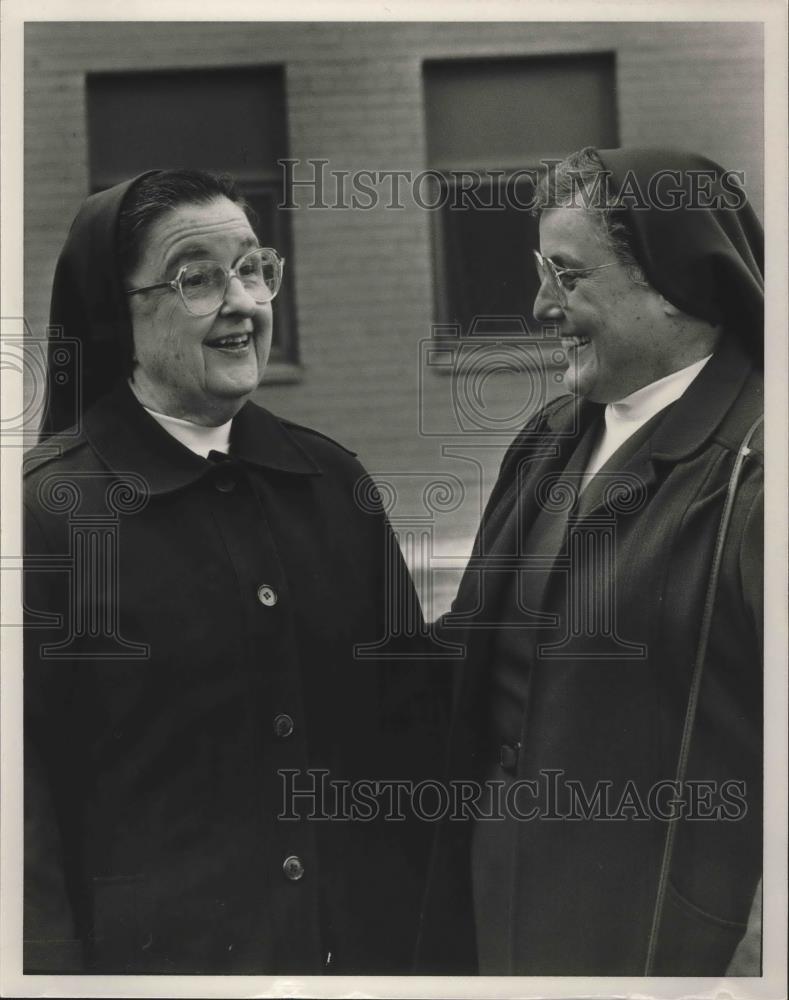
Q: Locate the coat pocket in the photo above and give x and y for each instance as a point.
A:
(693, 942)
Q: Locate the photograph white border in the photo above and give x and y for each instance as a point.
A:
(773, 984)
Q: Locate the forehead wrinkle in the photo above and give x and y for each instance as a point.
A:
(190, 237)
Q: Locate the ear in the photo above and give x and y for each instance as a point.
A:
(668, 308)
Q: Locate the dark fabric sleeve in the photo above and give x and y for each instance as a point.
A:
(746, 960)
(50, 939)
(403, 745)
(752, 565)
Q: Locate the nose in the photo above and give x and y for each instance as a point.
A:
(238, 299)
(547, 305)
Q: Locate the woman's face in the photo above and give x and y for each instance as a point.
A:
(184, 365)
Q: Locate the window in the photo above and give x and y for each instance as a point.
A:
(498, 118)
(224, 121)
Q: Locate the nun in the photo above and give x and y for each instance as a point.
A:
(207, 587)
(610, 702)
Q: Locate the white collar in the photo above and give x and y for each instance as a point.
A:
(645, 402)
(195, 437)
(625, 417)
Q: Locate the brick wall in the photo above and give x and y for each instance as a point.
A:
(364, 295)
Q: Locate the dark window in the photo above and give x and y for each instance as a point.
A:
(224, 121)
(497, 118)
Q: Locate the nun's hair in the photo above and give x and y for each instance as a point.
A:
(159, 193)
(582, 179)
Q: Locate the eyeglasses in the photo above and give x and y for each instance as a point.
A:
(562, 279)
(202, 284)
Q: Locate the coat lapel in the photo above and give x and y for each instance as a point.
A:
(684, 428)
(673, 434)
(510, 511)
(628, 476)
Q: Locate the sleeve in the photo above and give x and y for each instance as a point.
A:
(416, 674)
(752, 565)
(50, 939)
(403, 745)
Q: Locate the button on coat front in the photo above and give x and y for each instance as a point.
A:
(267, 596)
(154, 775)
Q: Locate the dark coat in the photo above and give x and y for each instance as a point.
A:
(206, 610)
(577, 895)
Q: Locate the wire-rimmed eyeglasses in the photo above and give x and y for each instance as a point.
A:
(562, 279)
(202, 284)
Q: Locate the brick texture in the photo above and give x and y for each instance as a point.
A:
(364, 279)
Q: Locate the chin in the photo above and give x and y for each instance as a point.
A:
(220, 406)
(583, 381)
(235, 388)
(577, 386)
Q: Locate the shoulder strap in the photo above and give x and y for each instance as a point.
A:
(695, 687)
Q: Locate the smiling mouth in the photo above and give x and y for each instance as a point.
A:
(575, 343)
(232, 342)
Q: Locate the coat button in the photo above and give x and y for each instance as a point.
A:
(283, 726)
(293, 868)
(508, 756)
(267, 595)
(225, 485)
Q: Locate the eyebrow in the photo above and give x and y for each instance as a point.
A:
(200, 251)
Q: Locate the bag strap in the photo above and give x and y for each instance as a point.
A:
(695, 687)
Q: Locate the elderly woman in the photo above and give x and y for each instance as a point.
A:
(200, 574)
